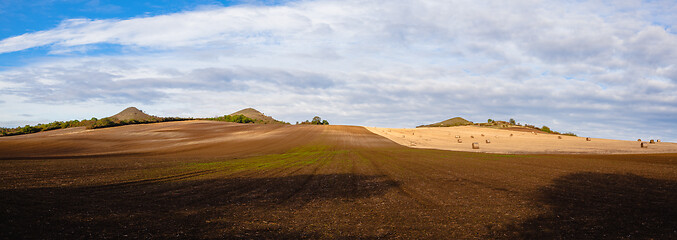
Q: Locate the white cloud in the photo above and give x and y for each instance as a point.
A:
(394, 63)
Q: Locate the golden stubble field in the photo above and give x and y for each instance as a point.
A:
(493, 140)
(202, 179)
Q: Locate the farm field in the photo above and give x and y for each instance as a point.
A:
(205, 179)
(520, 141)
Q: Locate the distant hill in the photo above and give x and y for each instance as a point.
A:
(132, 113)
(508, 125)
(256, 115)
(457, 121)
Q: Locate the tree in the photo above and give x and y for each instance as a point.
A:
(29, 129)
(316, 120)
(512, 122)
(546, 129)
(104, 122)
(490, 120)
(324, 122)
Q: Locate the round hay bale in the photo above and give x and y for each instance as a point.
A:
(482, 135)
(651, 141)
(511, 134)
(559, 137)
(644, 145)
(475, 145)
(460, 141)
(588, 139)
(488, 141)
(639, 139)
(658, 140)
(472, 136)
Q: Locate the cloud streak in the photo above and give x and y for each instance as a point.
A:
(395, 63)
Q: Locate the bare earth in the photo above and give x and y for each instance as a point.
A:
(217, 180)
(500, 141)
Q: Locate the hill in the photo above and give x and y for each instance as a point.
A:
(132, 113)
(457, 121)
(256, 115)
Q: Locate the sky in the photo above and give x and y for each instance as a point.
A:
(596, 68)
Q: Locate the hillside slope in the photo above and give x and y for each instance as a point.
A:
(457, 121)
(132, 113)
(256, 115)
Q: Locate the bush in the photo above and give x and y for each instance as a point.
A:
(235, 118)
(29, 129)
(316, 121)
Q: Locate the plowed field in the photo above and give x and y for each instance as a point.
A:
(201, 179)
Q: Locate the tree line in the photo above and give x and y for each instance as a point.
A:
(316, 121)
(543, 128)
(88, 124)
(94, 123)
(239, 118)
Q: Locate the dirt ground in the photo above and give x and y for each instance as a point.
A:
(514, 141)
(215, 180)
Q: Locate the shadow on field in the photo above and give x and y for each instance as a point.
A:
(602, 206)
(220, 208)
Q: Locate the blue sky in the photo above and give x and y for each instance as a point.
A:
(597, 68)
(19, 16)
